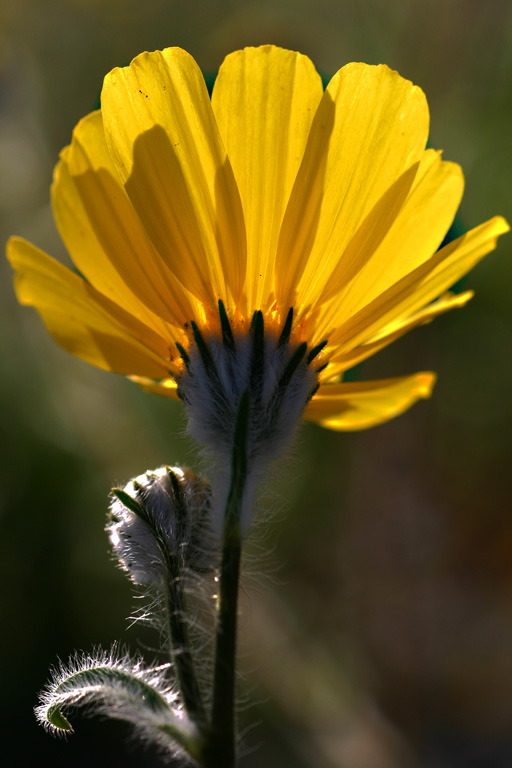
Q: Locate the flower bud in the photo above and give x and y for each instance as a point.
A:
(160, 524)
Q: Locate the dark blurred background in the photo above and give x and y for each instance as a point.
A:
(377, 613)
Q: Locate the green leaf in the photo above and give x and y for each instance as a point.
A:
(57, 720)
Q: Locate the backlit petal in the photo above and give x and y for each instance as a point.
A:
(360, 405)
(377, 256)
(83, 321)
(423, 285)
(264, 101)
(164, 141)
(104, 235)
(166, 387)
(342, 362)
(370, 127)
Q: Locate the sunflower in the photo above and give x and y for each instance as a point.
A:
(267, 239)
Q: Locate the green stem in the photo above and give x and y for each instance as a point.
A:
(181, 648)
(221, 747)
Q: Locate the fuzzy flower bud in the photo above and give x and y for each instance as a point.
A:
(160, 524)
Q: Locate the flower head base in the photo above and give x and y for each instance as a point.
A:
(159, 523)
(274, 194)
(279, 375)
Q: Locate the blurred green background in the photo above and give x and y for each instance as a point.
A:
(376, 628)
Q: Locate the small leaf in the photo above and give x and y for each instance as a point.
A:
(57, 720)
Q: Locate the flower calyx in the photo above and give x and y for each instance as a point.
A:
(276, 370)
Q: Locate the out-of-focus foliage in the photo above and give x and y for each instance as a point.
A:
(376, 632)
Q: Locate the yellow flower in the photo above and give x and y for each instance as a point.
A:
(272, 196)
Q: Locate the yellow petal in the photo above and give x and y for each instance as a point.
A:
(370, 127)
(421, 286)
(162, 135)
(378, 256)
(264, 101)
(167, 387)
(350, 407)
(104, 235)
(342, 362)
(83, 321)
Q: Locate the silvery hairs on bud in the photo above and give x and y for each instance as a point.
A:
(159, 525)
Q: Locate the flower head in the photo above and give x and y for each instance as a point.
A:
(268, 238)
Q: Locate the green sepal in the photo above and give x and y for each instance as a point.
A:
(284, 338)
(315, 351)
(57, 720)
(227, 333)
(130, 503)
(292, 365)
(257, 353)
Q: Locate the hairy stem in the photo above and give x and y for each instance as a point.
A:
(181, 648)
(221, 746)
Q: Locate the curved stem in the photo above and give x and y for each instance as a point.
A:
(221, 747)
